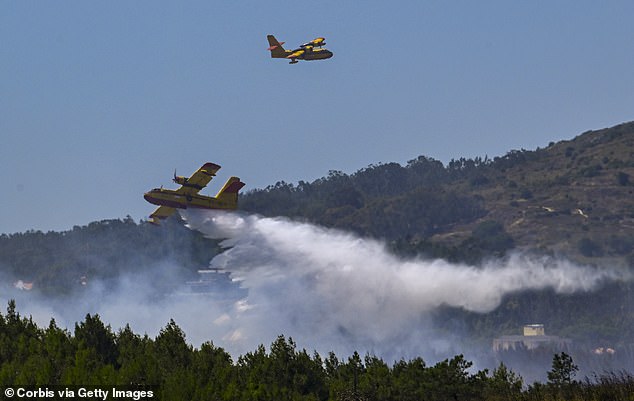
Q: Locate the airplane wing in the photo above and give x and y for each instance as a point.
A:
(162, 212)
(315, 42)
(199, 179)
(296, 54)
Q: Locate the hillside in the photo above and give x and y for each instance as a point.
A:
(573, 197)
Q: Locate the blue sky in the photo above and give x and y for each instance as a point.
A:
(100, 101)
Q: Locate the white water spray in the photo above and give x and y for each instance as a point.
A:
(328, 289)
(335, 291)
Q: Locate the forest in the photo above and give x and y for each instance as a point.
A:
(93, 356)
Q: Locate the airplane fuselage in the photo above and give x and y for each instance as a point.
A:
(317, 54)
(171, 198)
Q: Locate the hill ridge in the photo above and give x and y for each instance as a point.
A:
(572, 197)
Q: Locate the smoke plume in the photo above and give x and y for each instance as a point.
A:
(330, 290)
(335, 291)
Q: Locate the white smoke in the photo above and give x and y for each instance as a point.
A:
(135, 298)
(335, 291)
(328, 289)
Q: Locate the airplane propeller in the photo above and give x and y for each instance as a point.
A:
(178, 179)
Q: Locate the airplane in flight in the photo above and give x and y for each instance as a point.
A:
(187, 195)
(307, 51)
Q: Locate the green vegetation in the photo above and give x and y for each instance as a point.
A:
(58, 263)
(563, 370)
(94, 355)
(384, 201)
(552, 200)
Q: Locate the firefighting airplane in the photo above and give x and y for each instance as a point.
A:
(306, 51)
(187, 195)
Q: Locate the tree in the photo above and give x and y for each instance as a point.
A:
(563, 370)
(59, 348)
(93, 334)
(171, 349)
(377, 380)
(408, 379)
(450, 380)
(504, 385)
(136, 365)
(212, 366)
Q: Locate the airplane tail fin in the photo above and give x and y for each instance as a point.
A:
(277, 51)
(229, 192)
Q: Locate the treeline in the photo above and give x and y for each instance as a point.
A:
(384, 201)
(388, 200)
(96, 356)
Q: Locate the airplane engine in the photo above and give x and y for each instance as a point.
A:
(316, 42)
(179, 179)
(312, 44)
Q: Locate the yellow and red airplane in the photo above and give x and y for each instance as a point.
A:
(187, 195)
(306, 51)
